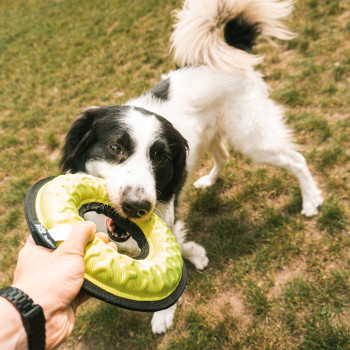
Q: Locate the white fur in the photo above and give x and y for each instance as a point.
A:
(197, 39)
(163, 320)
(234, 108)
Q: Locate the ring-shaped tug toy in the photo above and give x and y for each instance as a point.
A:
(152, 281)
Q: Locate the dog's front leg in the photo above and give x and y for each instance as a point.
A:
(191, 251)
(163, 320)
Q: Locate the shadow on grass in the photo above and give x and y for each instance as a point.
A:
(119, 329)
(229, 232)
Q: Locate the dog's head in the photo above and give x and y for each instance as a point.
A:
(140, 154)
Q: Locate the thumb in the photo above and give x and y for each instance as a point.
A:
(82, 233)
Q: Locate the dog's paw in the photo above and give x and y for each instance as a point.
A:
(196, 254)
(204, 182)
(163, 320)
(310, 206)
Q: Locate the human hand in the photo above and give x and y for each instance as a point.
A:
(53, 279)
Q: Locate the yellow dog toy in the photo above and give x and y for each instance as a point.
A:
(153, 281)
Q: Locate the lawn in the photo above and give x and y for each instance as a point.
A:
(276, 280)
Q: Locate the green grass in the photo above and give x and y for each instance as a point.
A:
(276, 280)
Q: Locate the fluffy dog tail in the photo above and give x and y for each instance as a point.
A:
(221, 33)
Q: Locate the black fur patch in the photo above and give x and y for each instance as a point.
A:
(241, 34)
(172, 177)
(161, 90)
(83, 141)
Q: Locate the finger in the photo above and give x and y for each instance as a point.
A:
(30, 241)
(113, 245)
(103, 236)
(82, 233)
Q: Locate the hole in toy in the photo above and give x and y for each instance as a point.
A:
(115, 232)
(123, 229)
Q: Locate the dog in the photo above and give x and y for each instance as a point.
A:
(148, 148)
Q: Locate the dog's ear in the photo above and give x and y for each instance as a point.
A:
(179, 163)
(79, 137)
(179, 149)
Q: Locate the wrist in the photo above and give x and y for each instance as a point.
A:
(13, 334)
(54, 322)
(31, 314)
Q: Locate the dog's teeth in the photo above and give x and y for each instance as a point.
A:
(116, 233)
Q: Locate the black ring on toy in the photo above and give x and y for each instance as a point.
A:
(135, 231)
(43, 238)
(39, 233)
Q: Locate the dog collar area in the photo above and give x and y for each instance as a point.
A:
(152, 281)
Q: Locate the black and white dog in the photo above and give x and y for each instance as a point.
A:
(147, 149)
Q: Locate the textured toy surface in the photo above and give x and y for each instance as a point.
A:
(58, 201)
(152, 277)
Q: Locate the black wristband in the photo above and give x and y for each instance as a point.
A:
(32, 316)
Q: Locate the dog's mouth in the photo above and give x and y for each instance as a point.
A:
(115, 232)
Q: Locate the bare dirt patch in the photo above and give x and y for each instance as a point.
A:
(229, 302)
(288, 273)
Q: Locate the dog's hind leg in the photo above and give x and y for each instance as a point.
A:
(294, 162)
(219, 154)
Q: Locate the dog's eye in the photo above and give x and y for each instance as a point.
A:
(116, 149)
(163, 160)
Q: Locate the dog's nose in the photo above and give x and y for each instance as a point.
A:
(135, 208)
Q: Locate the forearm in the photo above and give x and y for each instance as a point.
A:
(12, 332)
